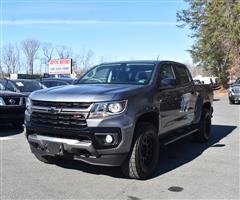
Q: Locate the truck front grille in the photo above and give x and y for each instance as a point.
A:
(59, 120)
(13, 101)
(73, 105)
(236, 90)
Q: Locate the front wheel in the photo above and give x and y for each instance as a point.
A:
(145, 153)
(204, 127)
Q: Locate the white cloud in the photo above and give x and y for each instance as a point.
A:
(87, 22)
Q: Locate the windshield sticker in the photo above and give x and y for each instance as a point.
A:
(20, 84)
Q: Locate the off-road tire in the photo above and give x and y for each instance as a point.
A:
(144, 155)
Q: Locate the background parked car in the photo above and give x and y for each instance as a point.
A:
(234, 92)
(208, 80)
(197, 82)
(24, 86)
(53, 82)
(12, 107)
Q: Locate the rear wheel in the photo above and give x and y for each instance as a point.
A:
(145, 153)
(46, 159)
(204, 127)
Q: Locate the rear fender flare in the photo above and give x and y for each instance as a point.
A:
(198, 109)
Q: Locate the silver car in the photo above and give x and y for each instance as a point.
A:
(234, 92)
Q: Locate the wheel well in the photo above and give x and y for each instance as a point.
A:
(207, 105)
(151, 117)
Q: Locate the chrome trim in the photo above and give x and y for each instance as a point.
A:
(67, 110)
(22, 100)
(62, 111)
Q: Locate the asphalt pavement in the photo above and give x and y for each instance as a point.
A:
(186, 170)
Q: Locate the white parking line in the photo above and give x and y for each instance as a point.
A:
(5, 138)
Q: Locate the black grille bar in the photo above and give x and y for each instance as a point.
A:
(77, 105)
(59, 120)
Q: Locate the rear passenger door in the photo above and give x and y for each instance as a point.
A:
(187, 93)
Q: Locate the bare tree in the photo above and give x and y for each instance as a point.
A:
(86, 59)
(10, 58)
(47, 49)
(64, 52)
(30, 47)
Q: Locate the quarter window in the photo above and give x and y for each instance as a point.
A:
(183, 75)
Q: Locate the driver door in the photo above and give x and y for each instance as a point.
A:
(169, 99)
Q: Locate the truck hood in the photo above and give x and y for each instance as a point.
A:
(6, 93)
(84, 93)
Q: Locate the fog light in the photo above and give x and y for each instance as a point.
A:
(109, 139)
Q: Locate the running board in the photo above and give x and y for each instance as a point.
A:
(179, 137)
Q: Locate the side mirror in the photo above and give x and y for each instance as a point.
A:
(168, 83)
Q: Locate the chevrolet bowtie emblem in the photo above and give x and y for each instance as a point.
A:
(54, 110)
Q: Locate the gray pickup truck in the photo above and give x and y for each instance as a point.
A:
(118, 114)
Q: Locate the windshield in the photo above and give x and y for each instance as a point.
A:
(28, 86)
(139, 74)
(237, 81)
(2, 86)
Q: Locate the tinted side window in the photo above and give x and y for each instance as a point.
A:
(183, 75)
(48, 83)
(9, 87)
(61, 83)
(166, 71)
(53, 83)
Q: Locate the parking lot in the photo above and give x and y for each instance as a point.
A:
(186, 170)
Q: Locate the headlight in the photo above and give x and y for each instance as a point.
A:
(115, 107)
(28, 104)
(2, 103)
(105, 109)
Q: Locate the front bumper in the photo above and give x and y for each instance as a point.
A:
(234, 97)
(75, 149)
(11, 113)
(83, 144)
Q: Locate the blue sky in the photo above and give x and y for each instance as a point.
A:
(119, 30)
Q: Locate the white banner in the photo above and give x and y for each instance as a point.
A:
(61, 66)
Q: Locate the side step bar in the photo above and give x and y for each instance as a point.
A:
(179, 137)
